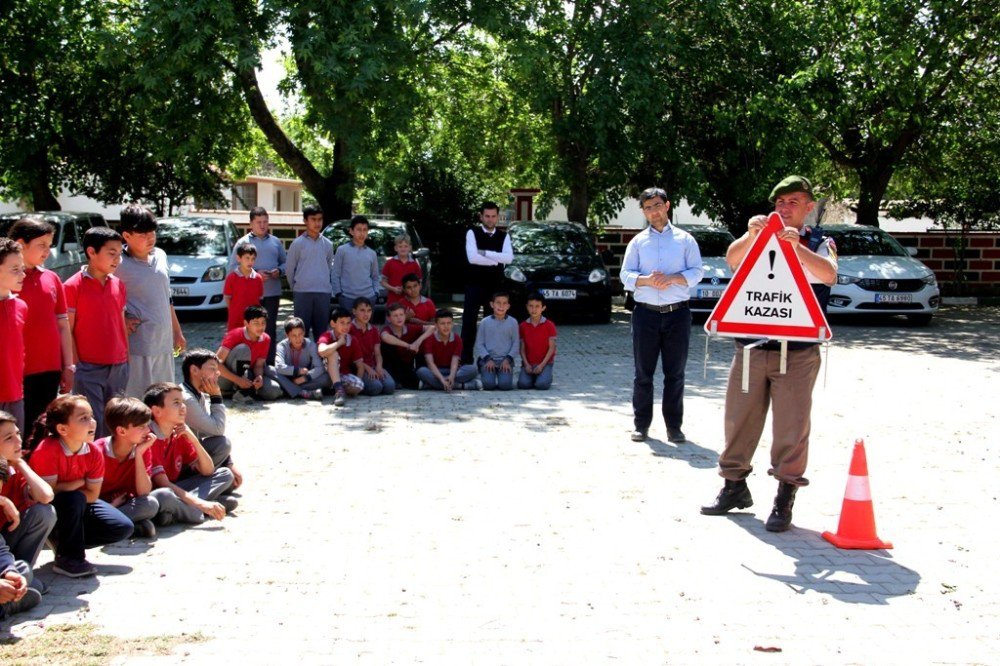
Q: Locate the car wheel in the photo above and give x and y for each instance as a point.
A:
(922, 319)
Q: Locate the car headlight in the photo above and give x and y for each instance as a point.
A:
(214, 274)
(929, 279)
(598, 275)
(516, 274)
(847, 279)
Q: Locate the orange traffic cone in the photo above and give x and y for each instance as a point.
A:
(857, 517)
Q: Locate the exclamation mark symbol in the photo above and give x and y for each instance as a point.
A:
(770, 257)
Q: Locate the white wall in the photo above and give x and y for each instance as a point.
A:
(630, 216)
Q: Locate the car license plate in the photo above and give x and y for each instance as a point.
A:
(710, 293)
(559, 294)
(893, 298)
(179, 291)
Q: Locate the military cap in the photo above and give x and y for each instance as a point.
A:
(791, 184)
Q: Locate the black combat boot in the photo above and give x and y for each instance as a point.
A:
(734, 494)
(781, 515)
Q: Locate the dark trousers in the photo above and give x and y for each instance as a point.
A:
(666, 337)
(270, 303)
(402, 370)
(80, 525)
(477, 299)
(40, 389)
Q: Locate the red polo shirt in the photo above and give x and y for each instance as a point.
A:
(119, 475)
(424, 310)
(366, 341)
(442, 352)
(99, 329)
(536, 340)
(55, 463)
(243, 291)
(394, 272)
(13, 317)
(15, 488)
(410, 333)
(46, 299)
(238, 336)
(170, 454)
(348, 354)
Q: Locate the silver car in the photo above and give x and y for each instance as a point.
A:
(877, 275)
(67, 255)
(198, 250)
(712, 243)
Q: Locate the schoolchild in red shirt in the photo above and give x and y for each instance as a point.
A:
(66, 459)
(538, 346)
(369, 360)
(400, 344)
(396, 268)
(442, 353)
(244, 286)
(243, 359)
(339, 351)
(420, 310)
(13, 317)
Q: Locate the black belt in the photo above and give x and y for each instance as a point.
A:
(663, 309)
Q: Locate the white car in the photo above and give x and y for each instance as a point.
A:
(198, 250)
(712, 243)
(877, 275)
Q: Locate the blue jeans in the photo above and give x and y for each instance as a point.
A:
(495, 379)
(542, 381)
(665, 337)
(465, 373)
(384, 386)
(80, 525)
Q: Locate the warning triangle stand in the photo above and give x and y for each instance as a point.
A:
(769, 295)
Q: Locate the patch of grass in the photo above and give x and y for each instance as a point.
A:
(83, 645)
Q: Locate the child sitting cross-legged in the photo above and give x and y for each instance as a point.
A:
(339, 350)
(496, 344)
(298, 367)
(400, 344)
(243, 359)
(443, 352)
(182, 464)
(66, 459)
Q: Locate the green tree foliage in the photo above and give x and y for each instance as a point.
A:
(878, 76)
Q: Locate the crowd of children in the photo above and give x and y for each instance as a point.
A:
(116, 448)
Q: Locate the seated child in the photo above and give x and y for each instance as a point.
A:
(419, 309)
(243, 354)
(442, 352)
(65, 459)
(496, 344)
(400, 344)
(368, 360)
(26, 517)
(298, 367)
(538, 346)
(182, 465)
(244, 286)
(398, 267)
(206, 413)
(339, 351)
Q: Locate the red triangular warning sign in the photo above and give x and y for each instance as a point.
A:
(769, 295)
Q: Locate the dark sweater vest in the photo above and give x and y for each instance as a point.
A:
(487, 276)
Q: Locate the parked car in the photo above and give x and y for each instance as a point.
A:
(67, 255)
(381, 238)
(712, 243)
(559, 260)
(198, 249)
(877, 275)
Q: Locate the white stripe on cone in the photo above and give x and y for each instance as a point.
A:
(858, 489)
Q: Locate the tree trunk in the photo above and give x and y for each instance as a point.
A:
(42, 197)
(578, 205)
(874, 181)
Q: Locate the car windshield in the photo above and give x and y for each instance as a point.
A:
(712, 242)
(380, 239)
(866, 242)
(549, 241)
(192, 238)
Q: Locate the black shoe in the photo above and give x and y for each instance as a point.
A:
(675, 435)
(30, 599)
(638, 435)
(781, 515)
(144, 529)
(229, 502)
(734, 495)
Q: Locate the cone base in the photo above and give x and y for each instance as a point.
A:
(848, 543)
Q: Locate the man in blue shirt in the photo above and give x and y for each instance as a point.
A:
(660, 265)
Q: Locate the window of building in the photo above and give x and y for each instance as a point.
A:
(244, 196)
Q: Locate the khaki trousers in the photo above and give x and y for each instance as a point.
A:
(791, 396)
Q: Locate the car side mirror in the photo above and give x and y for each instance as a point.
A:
(912, 251)
(70, 247)
(422, 252)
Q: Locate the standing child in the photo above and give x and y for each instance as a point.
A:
(369, 359)
(48, 345)
(398, 267)
(355, 267)
(538, 346)
(128, 461)
(26, 517)
(95, 303)
(400, 344)
(308, 266)
(496, 344)
(154, 332)
(65, 458)
(182, 465)
(270, 266)
(442, 352)
(338, 350)
(419, 309)
(243, 355)
(298, 367)
(244, 286)
(13, 317)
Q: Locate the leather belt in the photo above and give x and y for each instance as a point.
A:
(663, 309)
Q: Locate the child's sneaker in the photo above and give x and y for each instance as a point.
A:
(317, 394)
(30, 599)
(339, 398)
(72, 568)
(144, 529)
(229, 502)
